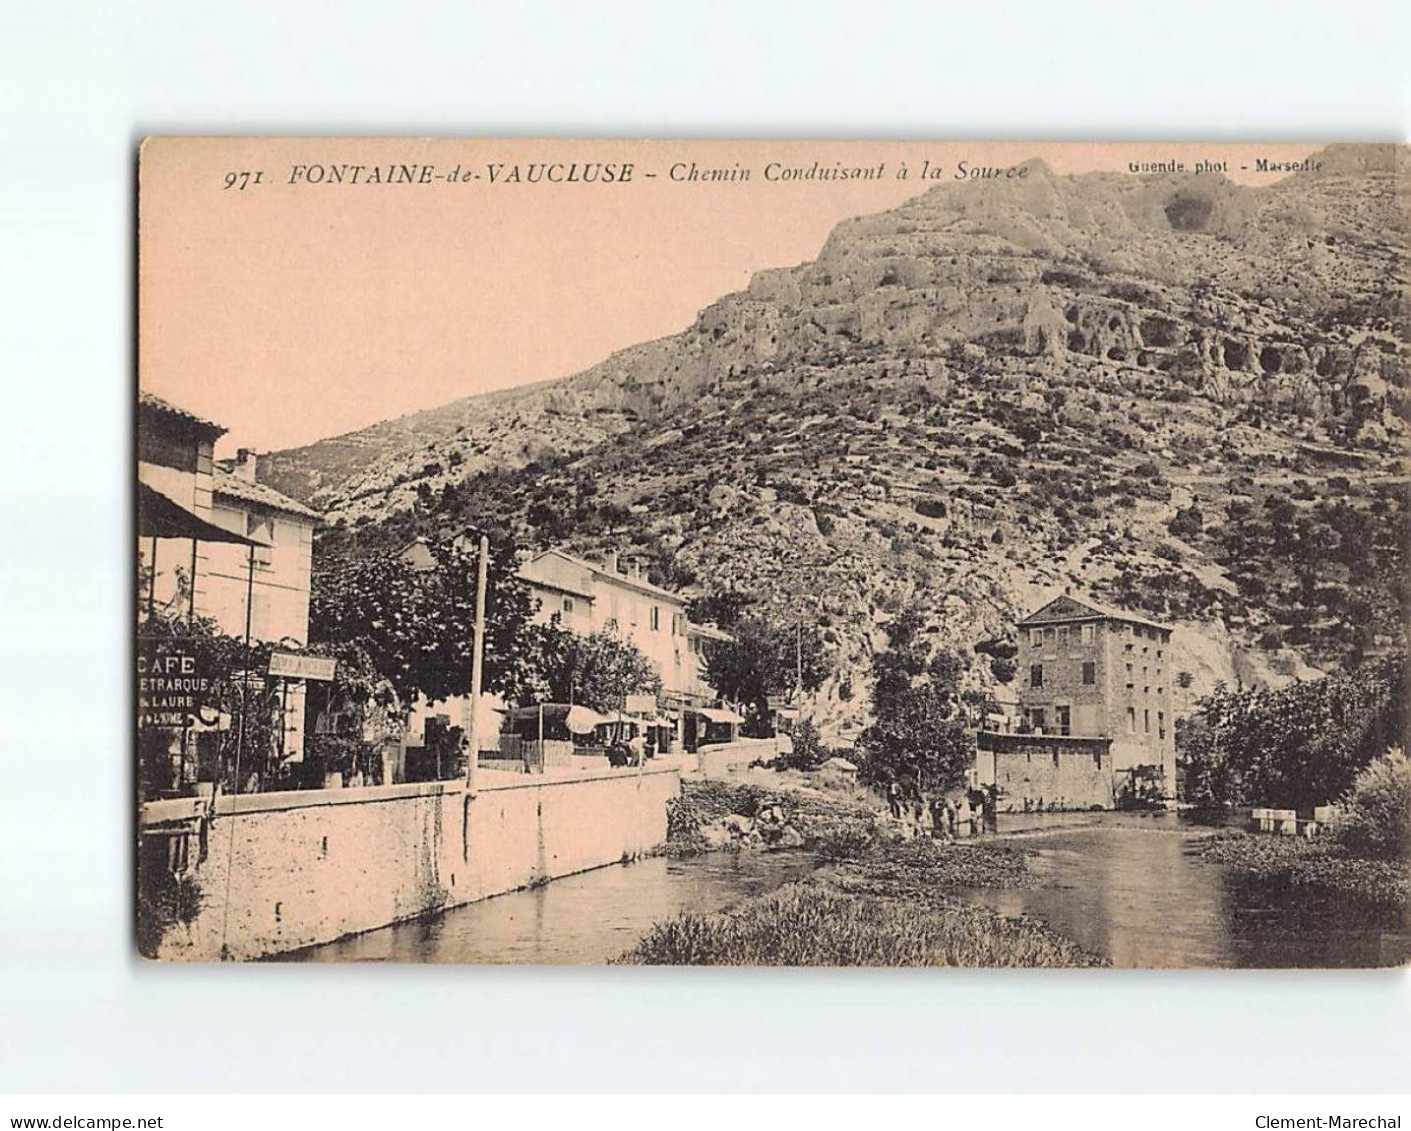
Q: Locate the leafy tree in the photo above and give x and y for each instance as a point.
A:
(418, 627)
(807, 751)
(724, 607)
(598, 671)
(762, 659)
(1297, 747)
(918, 740)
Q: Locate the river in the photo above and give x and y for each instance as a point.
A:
(1124, 886)
(1132, 888)
(590, 918)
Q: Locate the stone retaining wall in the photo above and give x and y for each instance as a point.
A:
(280, 871)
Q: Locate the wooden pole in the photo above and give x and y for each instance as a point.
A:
(477, 666)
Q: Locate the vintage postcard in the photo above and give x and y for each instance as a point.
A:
(772, 553)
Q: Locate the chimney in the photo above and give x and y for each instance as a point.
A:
(610, 561)
(634, 568)
(245, 460)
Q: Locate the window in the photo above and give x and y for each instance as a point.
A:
(568, 604)
(1161, 725)
(1097, 759)
(1063, 717)
(1036, 675)
(1158, 653)
(1089, 672)
(656, 619)
(1159, 690)
(1037, 719)
(1089, 633)
(1146, 720)
(1048, 635)
(1131, 720)
(1063, 635)
(1036, 637)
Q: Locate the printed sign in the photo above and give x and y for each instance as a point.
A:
(640, 704)
(171, 687)
(292, 665)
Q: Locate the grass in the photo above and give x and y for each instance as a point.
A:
(877, 901)
(1318, 865)
(812, 924)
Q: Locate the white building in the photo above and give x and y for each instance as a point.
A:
(587, 596)
(193, 572)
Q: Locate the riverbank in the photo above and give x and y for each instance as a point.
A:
(878, 900)
(1317, 867)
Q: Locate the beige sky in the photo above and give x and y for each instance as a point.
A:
(290, 312)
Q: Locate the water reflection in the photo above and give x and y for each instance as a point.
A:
(1133, 889)
(1125, 886)
(589, 918)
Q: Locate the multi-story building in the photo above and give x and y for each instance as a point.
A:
(587, 596)
(1095, 708)
(226, 546)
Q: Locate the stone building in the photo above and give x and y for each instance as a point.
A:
(1095, 720)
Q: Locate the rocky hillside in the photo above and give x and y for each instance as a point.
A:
(1174, 393)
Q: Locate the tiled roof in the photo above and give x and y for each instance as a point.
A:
(233, 487)
(638, 583)
(149, 400)
(1087, 609)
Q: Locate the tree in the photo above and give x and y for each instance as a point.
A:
(1297, 747)
(724, 607)
(597, 671)
(806, 751)
(918, 739)
(762, 659)
(418, 627)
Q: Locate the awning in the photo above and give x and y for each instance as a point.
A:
(161, 517)
(717, 715)
(579, 720)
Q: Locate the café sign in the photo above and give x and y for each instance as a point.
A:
(172, 689)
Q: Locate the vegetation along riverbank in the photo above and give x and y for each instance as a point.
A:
(878, 900)
(1319, 867)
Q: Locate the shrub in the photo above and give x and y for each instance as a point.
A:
(807, 751)
(1376, 817)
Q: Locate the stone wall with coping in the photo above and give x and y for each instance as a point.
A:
(281, 871)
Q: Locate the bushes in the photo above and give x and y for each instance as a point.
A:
(1376, 817)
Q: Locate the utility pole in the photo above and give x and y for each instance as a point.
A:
(477, 667)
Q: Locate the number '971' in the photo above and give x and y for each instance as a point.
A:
(240, 181)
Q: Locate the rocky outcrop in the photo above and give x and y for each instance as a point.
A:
(963, 406)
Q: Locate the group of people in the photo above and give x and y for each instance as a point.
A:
(949, 815)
